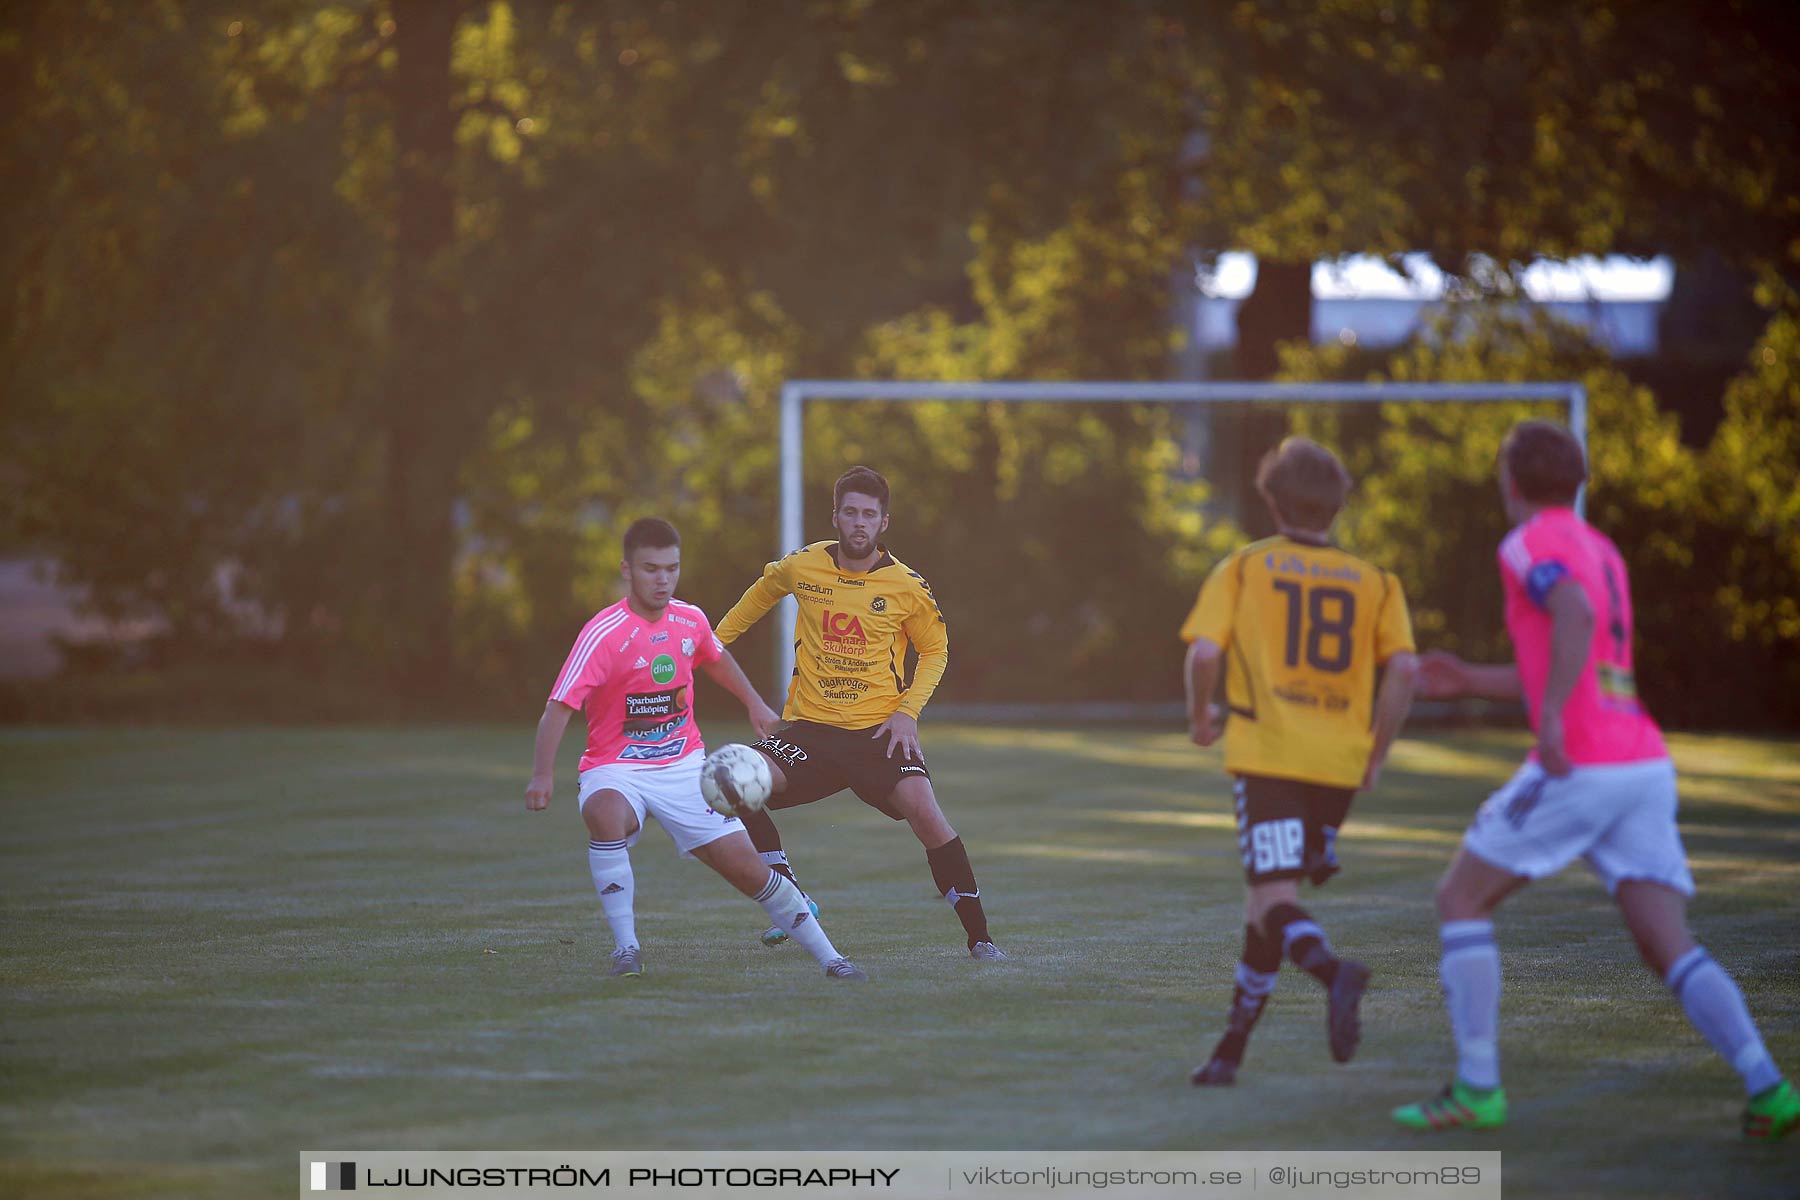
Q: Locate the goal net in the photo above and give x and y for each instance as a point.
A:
(1066, 527)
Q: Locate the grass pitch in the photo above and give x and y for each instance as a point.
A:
(223, 947)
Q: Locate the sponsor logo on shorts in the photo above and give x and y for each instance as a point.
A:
(635, 753)
(879, 604)
(785, 752)
(662, 668)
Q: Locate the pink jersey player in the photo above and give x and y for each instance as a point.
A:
(1603, 721)
(1599, 787)
(635, 677)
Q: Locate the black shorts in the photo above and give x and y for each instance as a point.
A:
(1288, 829)
(821, 760)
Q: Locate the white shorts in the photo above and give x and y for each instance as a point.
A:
(1620, 817)
(669, 793)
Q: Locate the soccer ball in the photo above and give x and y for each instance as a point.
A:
(735, 780)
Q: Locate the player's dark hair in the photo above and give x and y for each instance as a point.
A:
(1545, 462)
(1304, 483)
(864, 481)
(652, 533)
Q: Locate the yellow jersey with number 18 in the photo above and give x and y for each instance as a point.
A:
(1305, 629)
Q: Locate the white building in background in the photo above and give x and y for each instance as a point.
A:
(1365, 302)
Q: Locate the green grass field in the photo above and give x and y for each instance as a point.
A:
(224, 947)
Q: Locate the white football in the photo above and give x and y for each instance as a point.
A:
(735, 780)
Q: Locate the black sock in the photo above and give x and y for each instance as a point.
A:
(955, 880)
(1300, 937)
(767, 840)
(1256, 973)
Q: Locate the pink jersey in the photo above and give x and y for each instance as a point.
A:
(636, 680)
(1603, 721)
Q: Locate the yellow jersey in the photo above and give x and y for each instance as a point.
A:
(1304, 629)
(851, 635)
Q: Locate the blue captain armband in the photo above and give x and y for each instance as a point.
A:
(1542, 578)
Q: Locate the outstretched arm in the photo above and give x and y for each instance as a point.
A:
(725, 672)
(543, 758)
(1444, 676)
(757, 599)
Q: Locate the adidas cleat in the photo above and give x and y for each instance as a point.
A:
(774, 935)
(1458, 1107)
(1218, 1072)
(1772, 1113)
(628, 962)
(1343, 1027)
(988, 952)
(843, 968)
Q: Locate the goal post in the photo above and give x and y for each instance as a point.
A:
(795, 394)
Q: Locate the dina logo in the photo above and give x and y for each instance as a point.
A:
(662, 668)
(879, 604)
(333, 1177)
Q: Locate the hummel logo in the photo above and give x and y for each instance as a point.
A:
(610, 888)
(640, 663)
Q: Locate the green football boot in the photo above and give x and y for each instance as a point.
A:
(1772, 1113)
(1458, 1107)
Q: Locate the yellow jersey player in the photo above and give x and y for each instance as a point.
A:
(1301, 630)
(853, 708)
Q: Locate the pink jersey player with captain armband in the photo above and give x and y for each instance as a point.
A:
(1603, 721)
(636, 679)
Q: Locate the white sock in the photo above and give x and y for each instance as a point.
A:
(787, 908)
(610, 865)
(1716, 1007)
(1470, 970)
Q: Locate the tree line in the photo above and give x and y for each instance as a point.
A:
(344, 339)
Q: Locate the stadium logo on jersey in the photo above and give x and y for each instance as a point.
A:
(659, 636)
(636, 753)
(800, 585)
(879, 604)
(662, 668)
(687, 647)
(843, 629)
